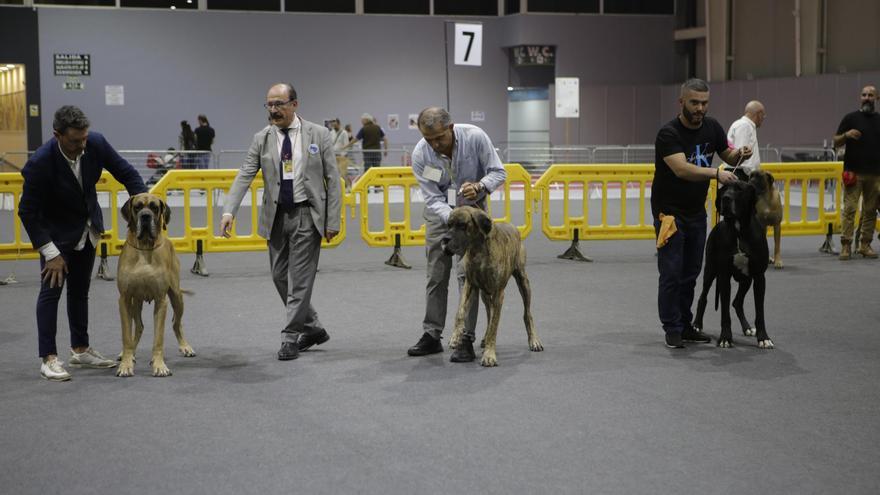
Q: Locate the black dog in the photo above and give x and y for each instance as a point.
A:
(736, 247)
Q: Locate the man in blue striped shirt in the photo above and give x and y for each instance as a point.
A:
(455, 164)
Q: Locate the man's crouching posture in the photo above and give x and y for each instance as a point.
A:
(451, 161)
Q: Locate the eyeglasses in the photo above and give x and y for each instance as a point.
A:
(276, 104)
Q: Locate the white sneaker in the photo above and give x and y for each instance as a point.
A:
(52, 370)
(90, 358)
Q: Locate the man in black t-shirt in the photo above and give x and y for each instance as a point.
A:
(204, 139)
(684, 150)
(860, 131)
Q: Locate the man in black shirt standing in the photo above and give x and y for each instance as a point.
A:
(860, 131)
(204, 139)
(684, 150)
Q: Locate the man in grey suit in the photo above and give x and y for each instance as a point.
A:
(301, 203)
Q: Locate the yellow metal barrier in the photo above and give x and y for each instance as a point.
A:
(212, 182)
(805, 186)
(601, 178)
(402, 177)
(11, 185)
(401, 233)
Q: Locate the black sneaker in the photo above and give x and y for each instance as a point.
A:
(673, 340)
(426, 345)
(694, 335)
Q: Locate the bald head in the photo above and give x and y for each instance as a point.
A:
(755, 112)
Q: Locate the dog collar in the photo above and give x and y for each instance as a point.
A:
(145, 249)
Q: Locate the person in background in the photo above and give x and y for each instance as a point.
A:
(204, 140)
(186, 141)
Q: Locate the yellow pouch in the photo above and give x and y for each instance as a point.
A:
(667, 229)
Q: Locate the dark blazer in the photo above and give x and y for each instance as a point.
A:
(54, 207)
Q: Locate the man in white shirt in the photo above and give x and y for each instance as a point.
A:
(744, 132)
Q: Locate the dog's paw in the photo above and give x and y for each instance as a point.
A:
(187, 351)
(750, 332)
(489, 359)
(125, 369)
(777, 263)
(725, 343)
(160, 370)
(765, 344)
(535, 345)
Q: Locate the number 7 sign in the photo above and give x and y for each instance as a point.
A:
(468, 44)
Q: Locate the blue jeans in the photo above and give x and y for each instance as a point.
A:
(679, 263)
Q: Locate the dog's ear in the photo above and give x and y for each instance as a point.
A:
(483, 222)
(770, 180)
(166, 214)
(125, 211)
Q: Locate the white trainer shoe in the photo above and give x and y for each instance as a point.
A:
(54, 371)
(90, 358)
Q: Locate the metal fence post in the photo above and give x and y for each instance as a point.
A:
(573, 252)
(396, 258)
(104, 267)
(200, 267)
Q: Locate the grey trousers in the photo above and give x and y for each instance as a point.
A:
(294, 247)
(436, 294)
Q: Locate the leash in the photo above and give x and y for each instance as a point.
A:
(739, 162)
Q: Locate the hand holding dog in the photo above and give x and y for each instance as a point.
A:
(330, 234)
(470, 190)
(54, 272)
(726, 177)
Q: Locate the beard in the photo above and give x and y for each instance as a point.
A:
(868, 106)
(692, 117)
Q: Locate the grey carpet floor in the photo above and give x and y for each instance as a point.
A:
(606, 408)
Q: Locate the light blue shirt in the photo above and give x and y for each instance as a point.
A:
(473, 159)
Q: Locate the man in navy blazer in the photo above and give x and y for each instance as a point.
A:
(59, 209)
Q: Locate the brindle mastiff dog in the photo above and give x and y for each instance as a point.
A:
(769, 209)
(148, 271)
(491, 254)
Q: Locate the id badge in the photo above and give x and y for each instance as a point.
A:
(287, 167)
(432, 174)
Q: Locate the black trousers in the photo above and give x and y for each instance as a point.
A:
(78, 281)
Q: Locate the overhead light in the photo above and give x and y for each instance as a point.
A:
(173, 7)
(3, 69)
(510, 88)
(11, 66)
(189, 1)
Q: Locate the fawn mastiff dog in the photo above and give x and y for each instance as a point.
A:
(491, 254)
(736, 248)
(768, 208)
(149, 271)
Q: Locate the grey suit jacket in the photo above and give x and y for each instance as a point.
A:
(320, 177)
